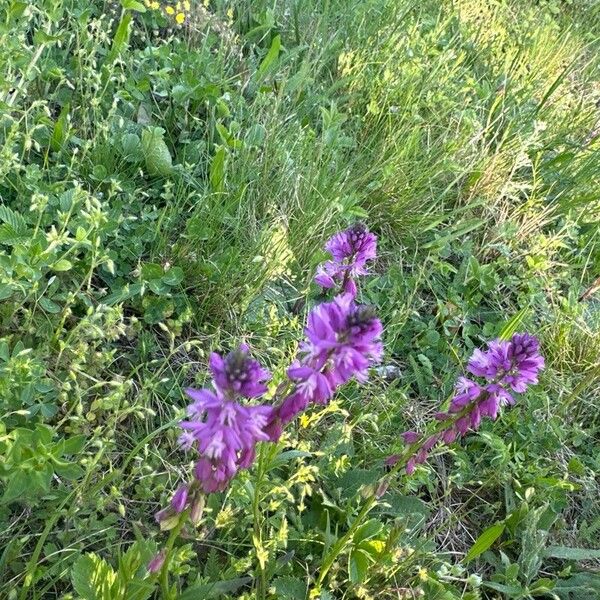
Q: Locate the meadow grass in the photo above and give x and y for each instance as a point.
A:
(165, 191)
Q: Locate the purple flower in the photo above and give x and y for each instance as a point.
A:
(506, 366)
(516, 362)
(353, 247)
(179, 499)
(350, 250)
(343, 341)
(155, 565)
(411, 437)
(466, 391)
(223, 431)
(238, 375)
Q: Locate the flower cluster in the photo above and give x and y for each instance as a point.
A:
(504, 368)
(178, 11)
(350, 250)
(343, 341)
(224, 431)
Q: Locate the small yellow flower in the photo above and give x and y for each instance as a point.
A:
(178, 6)
(423, 574)
(186, 4)
(180, 18)
(304, 421)
(154, 5)
(206, 3)
(230, 13)
(170, 10)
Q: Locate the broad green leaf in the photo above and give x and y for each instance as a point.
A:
(93, 578)
(485, 541)
(156, 152)
(48, 305)
(132, 147)
(17, 485)
(133, 5)
(121, 37)
(59, 134)
(290, 588)
(367, 530)
(214, 590)
(358, 566)
(62, 265)
(505, 589)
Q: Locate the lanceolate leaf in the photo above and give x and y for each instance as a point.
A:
(485, 541)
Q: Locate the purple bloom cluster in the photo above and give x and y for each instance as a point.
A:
(505, 367)
(350, 250)
(224, 431)
(343, 341)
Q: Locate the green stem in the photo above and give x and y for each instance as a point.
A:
(339, 546)
(261, 585)
(164, 572)
(371, 500)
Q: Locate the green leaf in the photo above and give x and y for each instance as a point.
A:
(510, 327)
(485, 541)
(152, 271)
(284, 457)
(132, 147)
(217, 170)
(290, 588)
(271, 56)
(174, 276)
(68, 470)
(367, 530)
(214, 590)
(133, 5)
(14, 219)
(93, 578)
(59, 134)
(121, 37)
(125, 293)
(567, 553)
(48, 305)
(358, 566)
(17, 485)
(62, 265)
(505, 589)
(156, 152)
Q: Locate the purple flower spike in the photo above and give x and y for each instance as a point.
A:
(350, 251)
(506, 367)
(224, 431)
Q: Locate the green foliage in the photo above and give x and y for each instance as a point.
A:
(165, 191)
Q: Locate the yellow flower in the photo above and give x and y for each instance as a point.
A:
(170, 10)
(230, 13)
(186, 4)
(180, 18)
(154, 5)
(423, 574)
(304, 421)
(206, 3)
